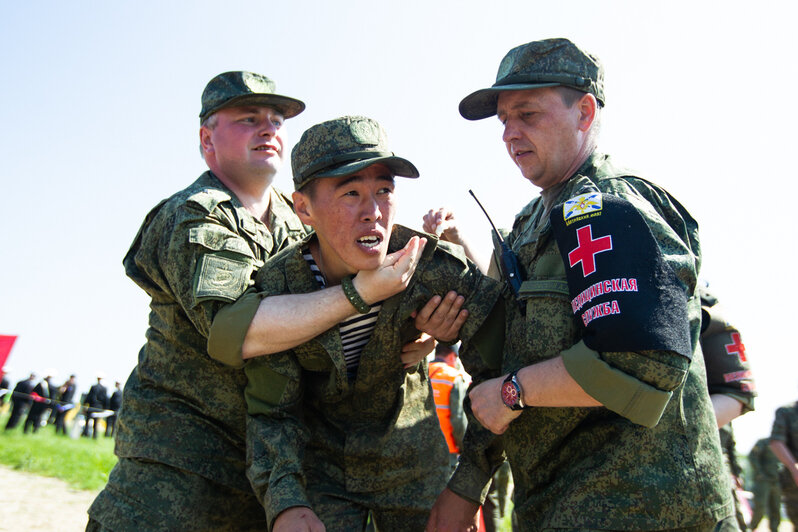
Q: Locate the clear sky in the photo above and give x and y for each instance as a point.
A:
(100, 104)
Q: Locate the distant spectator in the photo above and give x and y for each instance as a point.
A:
(20, 400)
(65, 394)
(97, 401)
(113, 404)
(42, 393)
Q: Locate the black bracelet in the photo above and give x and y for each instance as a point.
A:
(351, 294)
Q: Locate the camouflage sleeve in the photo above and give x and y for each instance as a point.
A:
(205, 263)
(728, 369)
(482, 451)
(444, 267)
(229, 329)
(631, 260)
(781, 425)
(276, 434)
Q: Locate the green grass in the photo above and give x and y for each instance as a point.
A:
(84, 463)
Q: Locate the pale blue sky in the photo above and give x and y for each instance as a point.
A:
(100, 122)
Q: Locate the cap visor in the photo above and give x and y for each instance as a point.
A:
(289, 107)
(397, 165)
(482, 103)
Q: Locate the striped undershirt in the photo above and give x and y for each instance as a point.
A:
(355, 331)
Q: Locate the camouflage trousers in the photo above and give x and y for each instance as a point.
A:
(401, 508)
(145, 495)
(767, 501)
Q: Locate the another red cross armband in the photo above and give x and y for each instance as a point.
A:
(728, 368)
(623, 293)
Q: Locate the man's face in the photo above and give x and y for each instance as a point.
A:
(353, 218)
(246, 142)
(543, 136)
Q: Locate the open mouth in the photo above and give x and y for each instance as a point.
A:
(369, 241)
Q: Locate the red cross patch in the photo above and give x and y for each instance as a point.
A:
(736, 347)
(587, 249)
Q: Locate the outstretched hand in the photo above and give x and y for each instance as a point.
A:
(393, 275)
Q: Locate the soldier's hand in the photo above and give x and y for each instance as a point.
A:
(442, 318)
(298, 519)
(392, 276)
(488, 407)
(442, 223)
(452, 513)
(417, 350)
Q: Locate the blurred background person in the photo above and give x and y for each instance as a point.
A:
(64, 404)
(767, 491)
(114, 404)
(20, 400)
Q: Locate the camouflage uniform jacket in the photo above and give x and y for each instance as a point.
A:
(785, 427)
(763, 462)
(195, 252)
(650, 459)
(370, 434)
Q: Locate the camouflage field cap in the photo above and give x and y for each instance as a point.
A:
(546, 63)
(245, 88)
(344, 146)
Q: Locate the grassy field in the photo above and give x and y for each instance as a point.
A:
(82, 462)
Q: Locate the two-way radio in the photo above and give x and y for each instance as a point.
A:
(507, 259)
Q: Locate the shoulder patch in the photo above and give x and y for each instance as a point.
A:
(209, 198)
(623, 292)
(219, 277)
(581, 205)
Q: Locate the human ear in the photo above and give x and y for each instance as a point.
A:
(205, 139)
(587, 106)
(302, 207)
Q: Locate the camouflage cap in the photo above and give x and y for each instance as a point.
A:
(344, 146)
(245, 88)
(546, 63)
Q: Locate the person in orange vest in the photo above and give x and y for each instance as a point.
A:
(449, 387)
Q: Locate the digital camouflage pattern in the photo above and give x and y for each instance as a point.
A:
(593, 468)
(545, 63)
(344, 146)
(376, 437)
(182, 411)
(728, 368)
(245, 88)
(785, 429)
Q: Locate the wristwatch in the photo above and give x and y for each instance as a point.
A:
(512, 393)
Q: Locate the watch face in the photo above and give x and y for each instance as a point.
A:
(509, 393)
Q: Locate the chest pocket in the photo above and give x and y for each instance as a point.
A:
(548, 325)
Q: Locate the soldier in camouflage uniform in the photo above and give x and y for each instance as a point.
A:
(332, 436)
(784, 444)
(729, 381)
(767, 491)
(597, 392)
(180, 434)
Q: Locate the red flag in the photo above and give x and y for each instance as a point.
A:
(6, 343)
